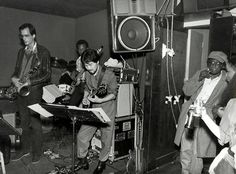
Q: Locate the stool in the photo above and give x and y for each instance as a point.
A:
(2, 163)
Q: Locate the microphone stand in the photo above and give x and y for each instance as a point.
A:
(73, 119)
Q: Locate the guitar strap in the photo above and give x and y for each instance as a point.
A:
(101, 76)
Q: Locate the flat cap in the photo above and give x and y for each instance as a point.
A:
(218, 55)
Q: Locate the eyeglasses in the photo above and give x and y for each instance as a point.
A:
(213, 62)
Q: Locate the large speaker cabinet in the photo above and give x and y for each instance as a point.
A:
(193, 6)
(159, 122)
(222, 36)
(133, 25)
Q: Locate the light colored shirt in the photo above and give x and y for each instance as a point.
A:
(34, 49)
(207, 89)
(27, 61)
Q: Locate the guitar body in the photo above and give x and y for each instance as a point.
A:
(101, 91)
(134, 164)
(130, 166)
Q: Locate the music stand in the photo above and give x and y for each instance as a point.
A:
(75, 114)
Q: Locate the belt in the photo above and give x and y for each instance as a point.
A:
(231, 153)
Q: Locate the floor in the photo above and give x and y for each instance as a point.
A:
(57, 158)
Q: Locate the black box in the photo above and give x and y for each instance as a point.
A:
(123, 139)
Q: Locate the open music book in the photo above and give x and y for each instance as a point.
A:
(46, 110)
(51, 92)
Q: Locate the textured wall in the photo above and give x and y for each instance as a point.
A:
(55, 32)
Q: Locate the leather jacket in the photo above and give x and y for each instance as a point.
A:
(39, 78)
(42, 60)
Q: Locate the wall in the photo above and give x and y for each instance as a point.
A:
(54, 32)
(94, 28)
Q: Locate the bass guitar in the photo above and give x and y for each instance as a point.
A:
(134, 164)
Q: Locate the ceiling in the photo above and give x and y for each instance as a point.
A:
(66, 8)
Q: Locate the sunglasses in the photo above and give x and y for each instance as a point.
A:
(214, 62)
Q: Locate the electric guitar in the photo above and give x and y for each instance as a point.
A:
(101, 91)
(130, 166)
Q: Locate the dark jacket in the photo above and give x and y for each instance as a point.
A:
(206, 142)
(41, 77)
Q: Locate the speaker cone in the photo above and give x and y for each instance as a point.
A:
(134, 33)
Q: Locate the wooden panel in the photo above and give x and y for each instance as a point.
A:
(159, 122)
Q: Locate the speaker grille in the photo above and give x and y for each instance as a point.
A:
(134, 33)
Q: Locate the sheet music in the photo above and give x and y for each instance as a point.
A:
(39, 109)
(50, 93)
(99, 112)
(211, 124)
(102, 114)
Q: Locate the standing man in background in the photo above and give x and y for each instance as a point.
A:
(33, 70)
(206, 86)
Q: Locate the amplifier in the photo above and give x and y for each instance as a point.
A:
(123, 139)
(126, 75)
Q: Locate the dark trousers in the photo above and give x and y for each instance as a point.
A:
(77, 95)
(31, 126)
(206, 164)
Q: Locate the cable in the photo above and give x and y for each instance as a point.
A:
(171, 60)
(167, 69)
(134, 57)
(171, 47)
(157, 39)
(125, 63)
(137, 98)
